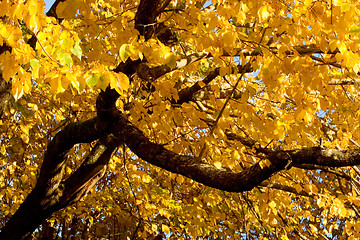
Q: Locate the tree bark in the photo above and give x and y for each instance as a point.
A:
(51, 192)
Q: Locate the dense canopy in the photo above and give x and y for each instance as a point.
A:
(179, 119)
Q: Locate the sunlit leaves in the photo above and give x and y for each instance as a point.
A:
(92, 80)
(120, 82)
(65, 58)
(157, 53)
(35, 65)
(124, 52)
(265, 12)
(10, 66)
(283, 104)
(77, 51)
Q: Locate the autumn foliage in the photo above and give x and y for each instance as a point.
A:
(188, 119)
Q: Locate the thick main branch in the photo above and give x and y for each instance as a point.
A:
(192, 167)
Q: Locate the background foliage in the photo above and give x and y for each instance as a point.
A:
(269, 76)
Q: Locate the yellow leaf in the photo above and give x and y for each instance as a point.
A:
(68, 9)
(236, 155)
(25, 137)
(4, 31)
(170, 59)
(10, 66)
(3, 149)
(313, 228)
(298, 188)
(17, 89)
(124, 52)
(272, 204)
(72, 79)
(61, 8)
(321, 202)
(244, 96)
(55, 84)
(34, 23)
(180, 179)
(307, 3)
(217, 164)
(146, 178)
(262, 164)
(2, 181)
(165, 229)
(104, 80)
(342, 47)
(339, 57)
(307, 117)
(120, 82)
(337, 2)
(264, 12)
(24, 178)
(229, 38)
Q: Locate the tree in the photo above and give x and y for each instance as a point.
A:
(195, 119)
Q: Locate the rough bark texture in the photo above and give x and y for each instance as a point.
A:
(193, 167)
(52, 192)
(145, 19)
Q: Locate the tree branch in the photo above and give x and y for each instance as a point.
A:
(323, 157)
(187, 94)
(91, 170)
(52, 10)
(192, 167)
(44, 198)
(221, 178)
(344, 81)
(146, 15)
(286, 188)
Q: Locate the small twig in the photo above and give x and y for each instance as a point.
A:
(253, 210)
(212, 129)
(331, 10)
(347, 95)
(335, 64)
(46, 51)
(178, 137)
(128, 179)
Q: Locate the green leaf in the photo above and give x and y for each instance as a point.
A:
(354, 29)
(34, 62)
(171, 60)
(92, 80)
(65, 43)
(35, 65)
(77, 51)
(65, 58)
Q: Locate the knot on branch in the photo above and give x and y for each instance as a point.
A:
(281, 160)
(283, 155)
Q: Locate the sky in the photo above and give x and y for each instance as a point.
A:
(48, 4)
